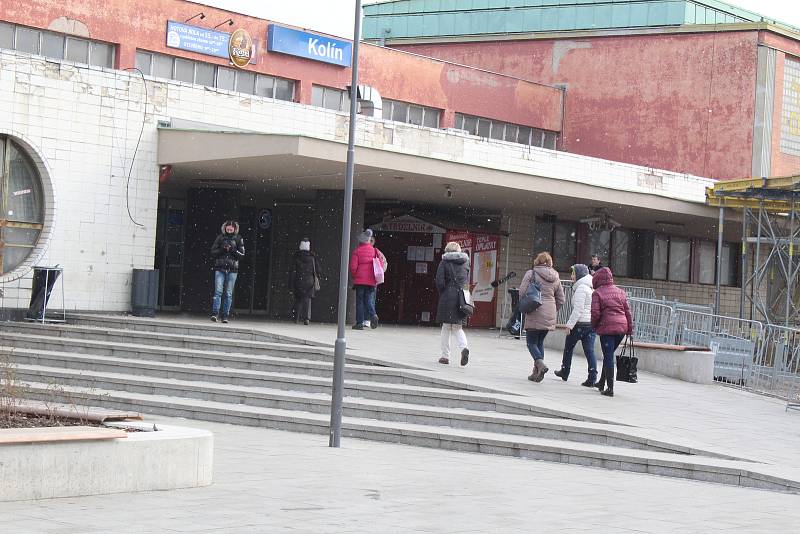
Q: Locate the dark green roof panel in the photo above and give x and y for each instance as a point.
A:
(439, 18)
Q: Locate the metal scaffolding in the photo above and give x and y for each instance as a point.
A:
(770, 241)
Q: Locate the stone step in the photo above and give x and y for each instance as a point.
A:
(187, 366)
(268, 383)
(169, 325)
(701, 468)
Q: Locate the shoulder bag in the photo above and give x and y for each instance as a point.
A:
(533, 296)
(377, 268)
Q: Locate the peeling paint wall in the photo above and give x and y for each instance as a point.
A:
(683, 102)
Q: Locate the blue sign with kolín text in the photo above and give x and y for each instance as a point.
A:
(309, 45)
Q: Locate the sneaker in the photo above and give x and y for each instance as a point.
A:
(366, 324)
(464, 357)
(444, 360)
(608, 392)
(214, 318)
(306, 322)
(225, 320)
(374, 323)
(562, 373)
(358, 327)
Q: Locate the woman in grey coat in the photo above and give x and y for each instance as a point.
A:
(543, 319)
(452, 277)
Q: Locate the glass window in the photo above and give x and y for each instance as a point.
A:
(543, 237)
(386, 112)
(204, 74)
(162, 66)
(226, 78)
(471, 125)
(332, 99)
(600, 244)
(245, 82)
(400, 112)
(415, 114)
(27, 40)
(564, 245)
(621, 240)
(53, 45)
(78, 50)
(317, 94)
(680, 259)
(23, 206)
(6, 35)
(728, 277)
(524, 136)
(284, 89)
(101, 55)
(431, 119)
(184, 70)
(484, 127)
(707, 259)
(550, 140)
(498, 131)
(265, 86)
(537, 137)
(660, 254)
(511, 133)
(143, 60)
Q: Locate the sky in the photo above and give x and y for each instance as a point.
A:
(336, 16)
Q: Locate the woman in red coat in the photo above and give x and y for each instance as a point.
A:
(611, 319)
(362, 272)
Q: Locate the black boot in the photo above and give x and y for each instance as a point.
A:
(602, 382)
(609, 391)
(562, 373)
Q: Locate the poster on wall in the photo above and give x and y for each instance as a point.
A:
(484, 267)
(464, 239)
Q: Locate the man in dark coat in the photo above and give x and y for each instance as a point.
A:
(304, 280)
(452, 277)
(227, 249)
(595, 264)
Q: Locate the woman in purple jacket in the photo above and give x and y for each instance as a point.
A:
(611, 319)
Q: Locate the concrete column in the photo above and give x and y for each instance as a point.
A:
(326, 240)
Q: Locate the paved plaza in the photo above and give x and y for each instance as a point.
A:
(273, 481)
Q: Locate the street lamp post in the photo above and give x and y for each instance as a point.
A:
(340, 347)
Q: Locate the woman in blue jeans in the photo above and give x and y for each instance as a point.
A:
(580, 325)
(543, 319)
(611, 319)
(362, 271)
(228, 247)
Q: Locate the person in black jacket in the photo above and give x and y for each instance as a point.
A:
(304, 280)
(227, 249)
(452, 277)
(595, 264)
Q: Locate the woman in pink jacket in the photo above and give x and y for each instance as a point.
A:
(611, 319)
(362, 272)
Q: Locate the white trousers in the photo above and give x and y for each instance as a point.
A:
(461, 338)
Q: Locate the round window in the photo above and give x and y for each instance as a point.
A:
(22, 205)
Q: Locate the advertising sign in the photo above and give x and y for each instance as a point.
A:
(790, 112)
(197, 39)
(240, 48)
(484, 267)
(309, 45)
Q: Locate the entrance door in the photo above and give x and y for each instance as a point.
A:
(206, 210)
(408, 296)
(169, 251)
(252, 285)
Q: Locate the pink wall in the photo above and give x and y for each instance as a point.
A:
(396, 75)
(782, 164)
(642, 99)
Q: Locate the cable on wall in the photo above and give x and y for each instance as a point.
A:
(136, 149)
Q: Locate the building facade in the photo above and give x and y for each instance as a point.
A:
(694, 86)
(125, 146)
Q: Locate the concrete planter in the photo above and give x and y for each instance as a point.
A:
(674, 362)
(171, 458)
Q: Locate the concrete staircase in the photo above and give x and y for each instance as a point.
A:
(240, 376)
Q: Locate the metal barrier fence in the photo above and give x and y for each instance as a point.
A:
(776, 371)
(653, 322)
(639, 292)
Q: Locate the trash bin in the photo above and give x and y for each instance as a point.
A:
(44, 278)
(144, 292)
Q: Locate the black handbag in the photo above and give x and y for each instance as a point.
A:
(627, 363)
(466, 308)
(532, 298)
